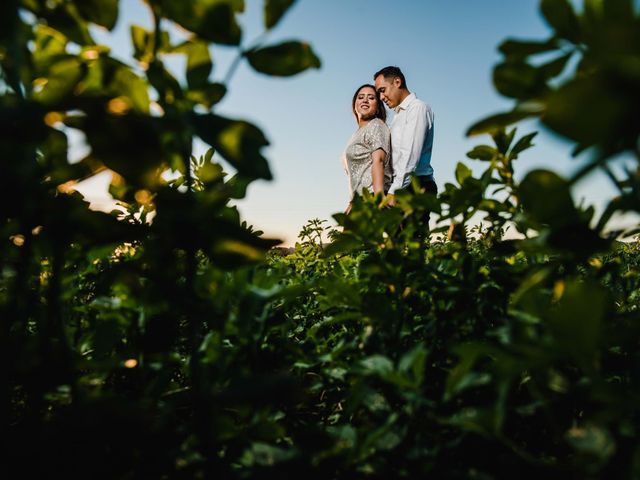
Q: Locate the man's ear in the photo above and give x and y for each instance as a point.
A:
(397, 82)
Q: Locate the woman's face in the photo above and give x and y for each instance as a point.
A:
(366, 103)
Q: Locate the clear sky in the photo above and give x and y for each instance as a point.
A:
(446, 48)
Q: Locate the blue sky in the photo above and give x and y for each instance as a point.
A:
(446, 48)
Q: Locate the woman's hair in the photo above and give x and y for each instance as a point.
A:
(381, 113)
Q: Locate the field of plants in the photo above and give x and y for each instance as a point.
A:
(188, 347)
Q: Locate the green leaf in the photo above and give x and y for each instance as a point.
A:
(208, 95)
(199, 65)
(284, 59)
(618, 10)
(462, 172)
(199, 62)
(237, 186)
(377, 365)
(588, 111)
(343, 244)
(100, 12)
(265, 455)
(521, 145)
(413, 363)
(125, 83)
(106, 336)
(66, 18)
(62, 78)
(71, 220)
(129, 144)
(111, 78)
(547, 198)
(235, 246)
(49, 47)
(213, 20)
(482, 152)
(503, 139)
(274, 10)
(9, 20)
(235, 252)
(214, 227)
(387, 436)
(166, 85)
(517, 79)
(576, 238)
(466, 198)
(576, 322)
(562, 18)
(54, 155)
(208, 155)
(554, 67)
(458, 377)
(345, 436)
(500, 120)
(239, 142)
(593, 11)
(208, 172)
(591, 441)
(520, 48)
(141, 40)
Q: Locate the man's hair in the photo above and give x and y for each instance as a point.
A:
(381, 113)
(390, 73)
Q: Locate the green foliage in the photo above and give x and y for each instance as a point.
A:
(211, 20)
(284, 59)
(274, 11)
(117, 328)
(587, 92)
(375, 350)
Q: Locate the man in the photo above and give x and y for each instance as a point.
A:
(411, 132)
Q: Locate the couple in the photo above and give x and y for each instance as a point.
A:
(384, 159)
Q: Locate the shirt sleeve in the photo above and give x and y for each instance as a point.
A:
(378, 136)
(419, 120)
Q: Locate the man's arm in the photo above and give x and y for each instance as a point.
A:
(418, 122)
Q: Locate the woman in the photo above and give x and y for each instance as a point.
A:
(367, 158)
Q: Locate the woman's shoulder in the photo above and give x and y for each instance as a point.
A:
(377, 124)
(377, 121)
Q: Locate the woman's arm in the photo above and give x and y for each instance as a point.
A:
(377, 170)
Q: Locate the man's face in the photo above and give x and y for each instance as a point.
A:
(389, 90)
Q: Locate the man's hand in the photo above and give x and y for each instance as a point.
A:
(391, 200)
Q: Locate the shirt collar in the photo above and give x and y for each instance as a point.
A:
(405, 103)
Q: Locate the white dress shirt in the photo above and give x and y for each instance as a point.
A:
(411, 141)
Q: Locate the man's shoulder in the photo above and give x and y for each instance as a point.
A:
(417, 104)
